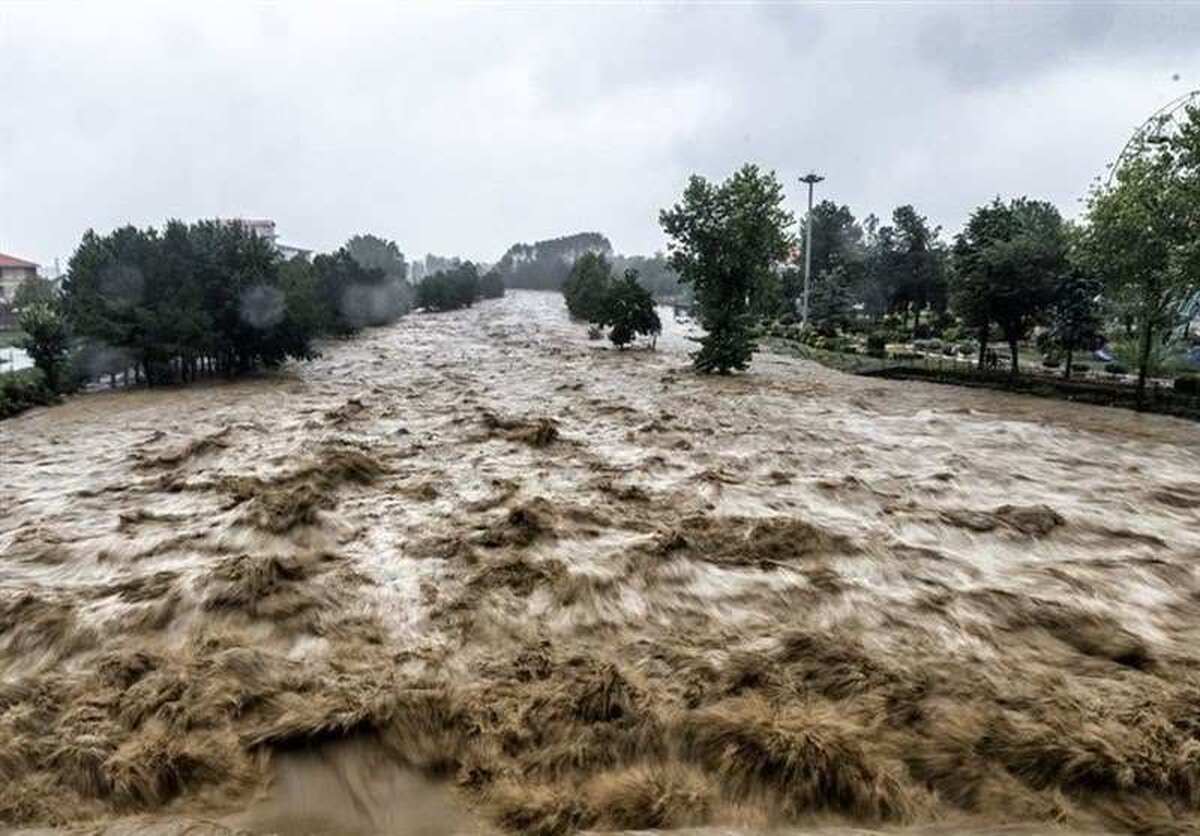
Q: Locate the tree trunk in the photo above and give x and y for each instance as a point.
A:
(983, 335)
(1070, 355)
(1012, 348)
(1144, 362)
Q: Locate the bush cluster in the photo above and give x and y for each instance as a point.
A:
(24, 389)
(450, 290)
(623, 305)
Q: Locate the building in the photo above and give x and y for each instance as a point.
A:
(13, 271)
(264, 228)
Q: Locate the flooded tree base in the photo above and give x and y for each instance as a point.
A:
(472, 573)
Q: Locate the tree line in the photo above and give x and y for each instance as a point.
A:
(174, 304)
(1129, 263)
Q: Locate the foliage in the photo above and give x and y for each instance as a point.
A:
(1008, 261)
(375, 253)
(491, 286)
(905, 266)
(653, 273)
(1188, 384)
(47, 340)
(876, 345)
(629, 310)
(349, 295)
(205, 295)
(22, 390)
(586, 288)
(1143, 234)
(1074, 318)
(396, 298)
(32, 291)
(830, 306)
(450, 289)
(724, 241)
(546, 265)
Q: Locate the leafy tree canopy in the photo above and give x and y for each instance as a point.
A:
(725, 240)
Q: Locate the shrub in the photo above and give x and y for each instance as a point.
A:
(491, 286)
(586, 288)
(1116, 368)
(46, 341)
(1188, 384)
(450, 289)
(1080, 368)
(876, 345)
(24, 389)
(629, 310)
(1051, 362)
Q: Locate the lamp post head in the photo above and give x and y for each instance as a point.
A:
(811, 178)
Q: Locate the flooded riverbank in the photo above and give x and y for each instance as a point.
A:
(562, 587)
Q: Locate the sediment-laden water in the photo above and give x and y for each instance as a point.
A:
(474, 573)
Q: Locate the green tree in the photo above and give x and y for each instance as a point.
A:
(1074, 315)
(491, 286)
(904, 269)
(393, 296)
(830, 307)
(32, 291)
(199, 297)
(629, 311)
(46, 340)
(449, 289)
(725, 240)
(1143, 235)
(586, 289)
(1008, 261)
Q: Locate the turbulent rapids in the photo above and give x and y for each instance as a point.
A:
(474, 573)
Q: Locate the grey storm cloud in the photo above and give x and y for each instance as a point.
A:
(459, 129)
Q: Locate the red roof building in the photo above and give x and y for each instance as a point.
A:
(13, 271)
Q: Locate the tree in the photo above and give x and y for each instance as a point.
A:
(724, 241)
(1008, 261)
(491, 286)
(32, 291)
(629, 310)
(449, 289)
(394, 295)
(546, 265)
(375, 253)
(46, 340)
(830, 308)
(1143, 235)
(586, 289)
(904, 266)
(1074, 315)
(204, 296)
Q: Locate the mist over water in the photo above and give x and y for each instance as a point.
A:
(472, 572)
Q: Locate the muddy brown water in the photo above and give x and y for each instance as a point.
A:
(475, 573)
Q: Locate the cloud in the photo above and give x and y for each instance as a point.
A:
(458, 129)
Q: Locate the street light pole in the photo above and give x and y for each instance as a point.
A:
(811, 179)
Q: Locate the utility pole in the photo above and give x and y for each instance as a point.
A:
(811, 179)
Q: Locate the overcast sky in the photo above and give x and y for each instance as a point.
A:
(461, 129)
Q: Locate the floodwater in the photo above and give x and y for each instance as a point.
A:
(474, 573)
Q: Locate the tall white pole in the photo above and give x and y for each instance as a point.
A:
(811, 179)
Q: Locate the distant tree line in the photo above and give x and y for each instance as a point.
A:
(208, 298)
(459, 287)
(1131, 264)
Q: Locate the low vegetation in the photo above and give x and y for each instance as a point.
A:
(622, 305)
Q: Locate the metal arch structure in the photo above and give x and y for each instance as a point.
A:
(1152, 129)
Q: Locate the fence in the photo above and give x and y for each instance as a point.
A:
(1118, 391)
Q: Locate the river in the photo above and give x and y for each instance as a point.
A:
(475, 572)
